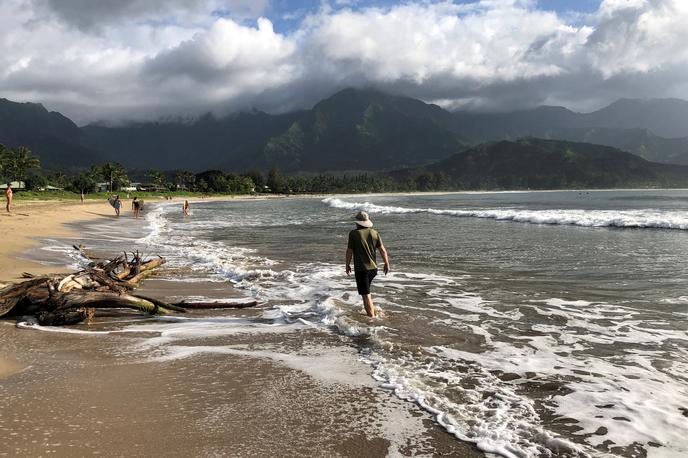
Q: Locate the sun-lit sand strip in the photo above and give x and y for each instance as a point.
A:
(33, 220)
(30, 221)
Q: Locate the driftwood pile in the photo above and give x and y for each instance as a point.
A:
(63, 299)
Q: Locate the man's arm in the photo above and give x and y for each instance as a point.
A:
(385, 257)
(349, 256)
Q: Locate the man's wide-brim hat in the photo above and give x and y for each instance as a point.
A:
(362, 219)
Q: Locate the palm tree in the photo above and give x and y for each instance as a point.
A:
(58, 179)
(115, 173)
(3, 148)
(179, 179)
(18, 162)
(95, 172)
(190, 180)
(157, 177)
(25, 162)
(184, 179)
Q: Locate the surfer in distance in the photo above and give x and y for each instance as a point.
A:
(116, 203)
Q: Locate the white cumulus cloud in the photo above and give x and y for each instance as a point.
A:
(95, 59)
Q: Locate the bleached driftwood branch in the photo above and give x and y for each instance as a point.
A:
(60, 299)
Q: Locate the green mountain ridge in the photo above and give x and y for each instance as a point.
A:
(230, 143)
(533, 163)
(354, 129)
(361, 130)
(56, 140)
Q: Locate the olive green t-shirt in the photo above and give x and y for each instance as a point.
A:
(364, 241)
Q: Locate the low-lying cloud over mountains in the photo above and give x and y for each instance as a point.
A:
(139, 59)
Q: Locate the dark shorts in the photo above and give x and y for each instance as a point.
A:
(363, 280)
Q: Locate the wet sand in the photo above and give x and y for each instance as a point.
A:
(88, 394)
(9, 366)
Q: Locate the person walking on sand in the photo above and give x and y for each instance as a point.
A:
(136, 207)
(117, 204)
(186, 208)
(9, 195)
(363, 241)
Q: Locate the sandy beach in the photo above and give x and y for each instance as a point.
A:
(30, 221)
(34, 220)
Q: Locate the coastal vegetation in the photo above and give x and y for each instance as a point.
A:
(16, 163)
(528, 163)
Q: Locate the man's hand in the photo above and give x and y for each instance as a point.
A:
(383, 251)
(347, 261)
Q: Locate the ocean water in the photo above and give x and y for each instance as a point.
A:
(528, 323)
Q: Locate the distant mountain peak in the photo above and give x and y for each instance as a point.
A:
(552, 109)
(25, 105)
(654, 102)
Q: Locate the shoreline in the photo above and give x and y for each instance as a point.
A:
(33, 221)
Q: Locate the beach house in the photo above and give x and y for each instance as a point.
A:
(16, 185)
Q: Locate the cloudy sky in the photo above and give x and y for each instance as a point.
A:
(143, 59)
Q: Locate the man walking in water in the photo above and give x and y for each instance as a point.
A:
(363, 241)
(8, 195)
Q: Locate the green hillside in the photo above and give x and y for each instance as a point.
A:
(52, 137)
(532, 163)
(363, 130)
(353, 130)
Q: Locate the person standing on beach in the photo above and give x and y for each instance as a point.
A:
(363, 241)
(136, 207)
(117, 204)
(186, 208)
(9, 195)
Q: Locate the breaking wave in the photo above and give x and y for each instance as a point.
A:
(639, 219)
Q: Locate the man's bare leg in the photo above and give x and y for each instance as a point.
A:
(368, 304)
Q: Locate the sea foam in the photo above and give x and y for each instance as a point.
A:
(639, 219)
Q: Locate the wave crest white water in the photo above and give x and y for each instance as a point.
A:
(639, 219)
